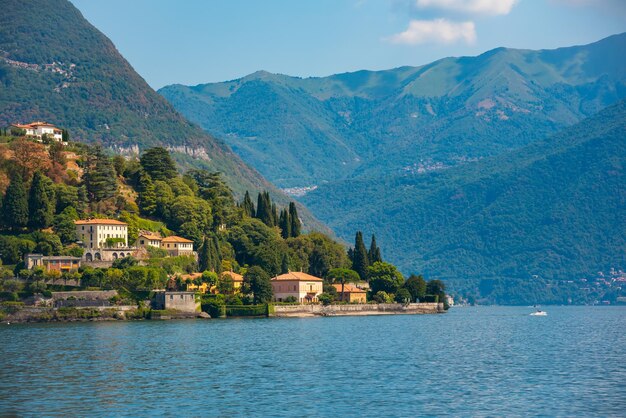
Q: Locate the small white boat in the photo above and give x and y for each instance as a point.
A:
(539, 312)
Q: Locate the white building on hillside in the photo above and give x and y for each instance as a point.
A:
(39, 129)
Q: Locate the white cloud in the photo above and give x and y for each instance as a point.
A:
(437, 31)
(481, 7)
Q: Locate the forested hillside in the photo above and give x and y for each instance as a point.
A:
(554, 209)
(409, 119)
(70, 74)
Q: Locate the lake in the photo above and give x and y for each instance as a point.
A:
(478, 361)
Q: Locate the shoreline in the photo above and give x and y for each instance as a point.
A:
(29, 314)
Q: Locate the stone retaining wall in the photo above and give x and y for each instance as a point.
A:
(358, 309)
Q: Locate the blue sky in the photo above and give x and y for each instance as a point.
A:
(199, 41)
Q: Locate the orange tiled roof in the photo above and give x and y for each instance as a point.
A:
(174, 238)
(33, 125)
(236, 277)
(151, 236)
(191, 276)
(99, 222)
(297, 276)
(348, 288)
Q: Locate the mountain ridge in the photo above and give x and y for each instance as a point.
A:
(449, 110)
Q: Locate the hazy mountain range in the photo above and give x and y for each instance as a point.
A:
(303, 132)
(466, 167)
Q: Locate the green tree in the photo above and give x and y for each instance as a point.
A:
(284, 223)
(41, 203)
(360, 262)
(248, 206)
(384, 277)
(204, 255)
(15, 204)
(436, 288)
(265, 209)
(294, 219)
(416, 285)
(374, 252)
(99, 175)
(403, 296)
(226, 285)
(284, 266)
(158, 163)
(257, 283)
(342, 276)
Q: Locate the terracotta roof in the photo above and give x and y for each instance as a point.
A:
(191, 276)
(348, 288)
(99, 222)
(33, 125)
(236, 277)
(174, 238)
(151, 236)
(297, 276)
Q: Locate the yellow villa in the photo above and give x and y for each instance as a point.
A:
(351, 293)
(177, 246)
(237, 279)
(304, 287)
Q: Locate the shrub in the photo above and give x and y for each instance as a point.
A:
(248, 310)
(382, 297)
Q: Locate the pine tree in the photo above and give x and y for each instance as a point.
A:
(41, 201)
(360, 261)
(284, 223)
(296, 225)
(158, 164)
(374, 252)
(247, 205)
(99, 176)
(147, 200)
(15, 205)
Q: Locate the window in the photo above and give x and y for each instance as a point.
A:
(171, 297)
(141, 242)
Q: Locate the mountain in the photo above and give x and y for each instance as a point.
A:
(55, 66)
(554, 208)
(304, 132)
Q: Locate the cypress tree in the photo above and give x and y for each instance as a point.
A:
(274, 215)
(374, 252)
(284, 265)
(247, 205)
(217, 255)
(264, 209)
(15, 205)
(204, 258)
(41, 202)
(296, 225)
(360, 261)
(284, 223)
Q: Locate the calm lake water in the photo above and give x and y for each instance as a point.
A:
(496, 361)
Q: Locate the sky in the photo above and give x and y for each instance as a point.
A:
(200, 41)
